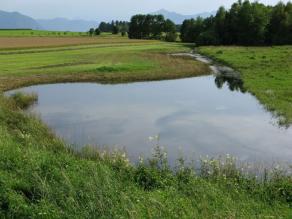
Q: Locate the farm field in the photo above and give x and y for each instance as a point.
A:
(40, 176)
(39, 33)
(109, 61)
(266, 72)
(7, 43)
(37, 42)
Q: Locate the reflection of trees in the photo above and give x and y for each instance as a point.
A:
(234, 84)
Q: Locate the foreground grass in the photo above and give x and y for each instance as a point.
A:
(41, 178)
(104, 62)
(266, 72)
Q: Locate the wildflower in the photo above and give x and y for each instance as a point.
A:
(165, 154)
(141, 159)
(150, 138)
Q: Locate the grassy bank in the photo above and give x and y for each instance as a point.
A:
(266, 72)
(40, 177)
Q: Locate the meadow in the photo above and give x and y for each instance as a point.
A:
(111, 60)
(266, 72)
(41, 177)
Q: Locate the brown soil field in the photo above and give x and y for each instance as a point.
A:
(32, 42)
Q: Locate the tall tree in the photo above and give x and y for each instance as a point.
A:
(150, 27)
(220, 25)
(280, 25)
(170, 31)
(245, 23)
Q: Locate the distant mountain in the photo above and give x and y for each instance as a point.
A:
(179, 18)
(15, 20)
(63, 24)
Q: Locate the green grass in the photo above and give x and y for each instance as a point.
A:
(107, 63)
(31, 33)
(40, 177)
(266, 72)
(23, 101)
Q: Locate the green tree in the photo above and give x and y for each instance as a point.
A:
(170, 31)
(97, 31)
(148, 27)
(91, 31)
(186, 30)
(245, 23)
(192, 29)
(252, 22)
(220, 25)
(280, 25)
(115, 29)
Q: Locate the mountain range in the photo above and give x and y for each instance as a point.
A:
(179, 18)
(16, 20)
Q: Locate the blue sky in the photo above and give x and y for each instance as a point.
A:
(110, 9)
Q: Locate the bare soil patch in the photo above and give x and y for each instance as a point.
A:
(30, 42)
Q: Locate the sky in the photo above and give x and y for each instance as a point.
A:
(110, 9)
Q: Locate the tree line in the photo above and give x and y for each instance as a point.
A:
(245, 23)
(152, 27)
(114, 27)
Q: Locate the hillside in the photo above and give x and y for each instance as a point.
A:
(15, 20)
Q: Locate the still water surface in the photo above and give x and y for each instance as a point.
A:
(194, 116)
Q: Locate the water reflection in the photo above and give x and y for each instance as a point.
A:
(234, 84)
(191, 114)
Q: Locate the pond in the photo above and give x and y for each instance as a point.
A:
(195, 116)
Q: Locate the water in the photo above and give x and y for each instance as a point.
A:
(194, 116)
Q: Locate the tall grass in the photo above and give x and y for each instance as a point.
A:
(24, 100)
(268, 183)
